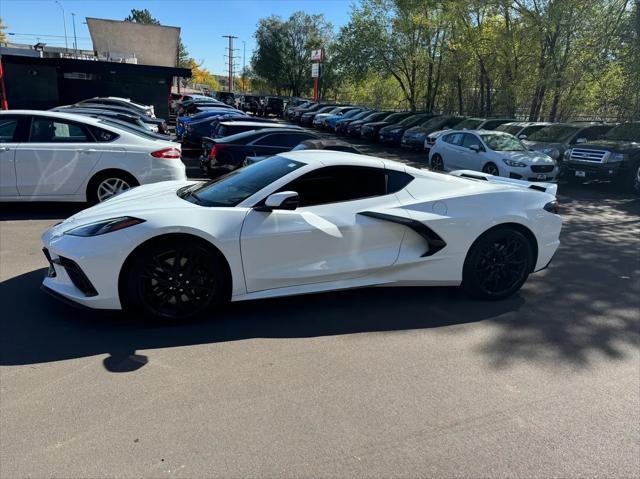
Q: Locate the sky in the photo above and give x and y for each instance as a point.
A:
(203, 22)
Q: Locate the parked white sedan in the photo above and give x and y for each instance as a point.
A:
(53, 156)
(496, 153)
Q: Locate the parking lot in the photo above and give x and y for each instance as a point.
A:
(385, 382)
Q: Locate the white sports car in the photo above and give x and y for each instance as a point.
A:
(302, 222)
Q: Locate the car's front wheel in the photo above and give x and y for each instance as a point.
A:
(491, 169)
(497, 264)
(437, 163)
(174, 279)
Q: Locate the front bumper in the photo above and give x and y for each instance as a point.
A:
(85, 271)
(413, 141)
(393, 138)
(528, 174)
(595, 171)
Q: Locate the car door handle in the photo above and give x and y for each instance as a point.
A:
(4, 148)
(87, 151)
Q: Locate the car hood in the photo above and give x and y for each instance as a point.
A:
(529, 157)
(543, 145)
(375, 124)
(416, 130)
(437, 133)
(610, 145)
(393, 127)
(135, 202)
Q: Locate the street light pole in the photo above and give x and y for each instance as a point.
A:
(244, 67)
(64, 24)
(75, 39)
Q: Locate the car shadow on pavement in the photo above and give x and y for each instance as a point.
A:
(37, 329)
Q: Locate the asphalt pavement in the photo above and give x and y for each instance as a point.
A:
(382, 382)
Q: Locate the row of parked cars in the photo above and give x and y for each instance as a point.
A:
(531, 151)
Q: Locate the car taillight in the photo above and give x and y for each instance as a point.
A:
(167, 153)
(553, 207)
(215, 150)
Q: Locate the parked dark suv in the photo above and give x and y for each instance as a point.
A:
(272, 105)
(616, 157)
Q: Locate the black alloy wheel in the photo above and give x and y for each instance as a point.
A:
(492, 169)
(175, 280)
(437, 163)
(497, 264)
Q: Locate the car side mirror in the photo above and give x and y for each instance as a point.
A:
(522, 137)
(283, 200)
(581, 140)
(476, 148)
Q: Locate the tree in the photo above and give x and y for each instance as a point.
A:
(282, 56)
(202, 76)
(145, 17)
(141, 16)
(3, 37)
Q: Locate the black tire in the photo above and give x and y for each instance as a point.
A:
(497, 264)
(437, 163)
(174, 280)
(96, 185)
(491, 168)
(633, 180)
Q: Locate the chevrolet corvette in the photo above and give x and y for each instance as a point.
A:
(302, 222)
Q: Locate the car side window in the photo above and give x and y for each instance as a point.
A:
(334, 184)
(45, 130)
(469, 140)
(454, 139)
(8, 127)
(103, 136)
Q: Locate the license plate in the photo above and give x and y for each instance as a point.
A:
(542, 177)
(581, 174)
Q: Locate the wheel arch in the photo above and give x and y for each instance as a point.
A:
(105, 172)
(531, 237)
(174, 236)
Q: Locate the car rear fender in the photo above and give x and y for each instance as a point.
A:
(550, 188)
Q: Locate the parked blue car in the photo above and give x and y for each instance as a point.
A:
(182, 121)
(331, 120)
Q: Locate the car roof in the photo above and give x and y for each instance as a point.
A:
(53, 114)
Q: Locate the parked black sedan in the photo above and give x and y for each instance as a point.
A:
(393, 133)
(370, 130)
(322, 144)
(355, 127)
(342, 125)
(227, 154)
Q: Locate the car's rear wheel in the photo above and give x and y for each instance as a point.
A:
(491, 169)
(498, 264)
(175, 279)
(107, 184)
(437, 163)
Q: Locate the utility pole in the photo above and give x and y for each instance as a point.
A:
(64, 24)
(244, 65)
(230, 48)
(75, 39)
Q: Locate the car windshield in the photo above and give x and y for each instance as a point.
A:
(234, 188)
(554, 133)
(351, 114)
(469, 124)
(394, 117)
(624, 132)
(412, 120)
(513, 129)
(498, 142)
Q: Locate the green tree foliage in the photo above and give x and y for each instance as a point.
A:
(3, 36)
(532, 59)
(282, 55)
(144, 16)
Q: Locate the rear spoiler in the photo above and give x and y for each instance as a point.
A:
(550, 188)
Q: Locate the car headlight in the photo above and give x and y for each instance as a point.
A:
(105, 226)
(552, 152)
(615, 158)
(514, 163)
